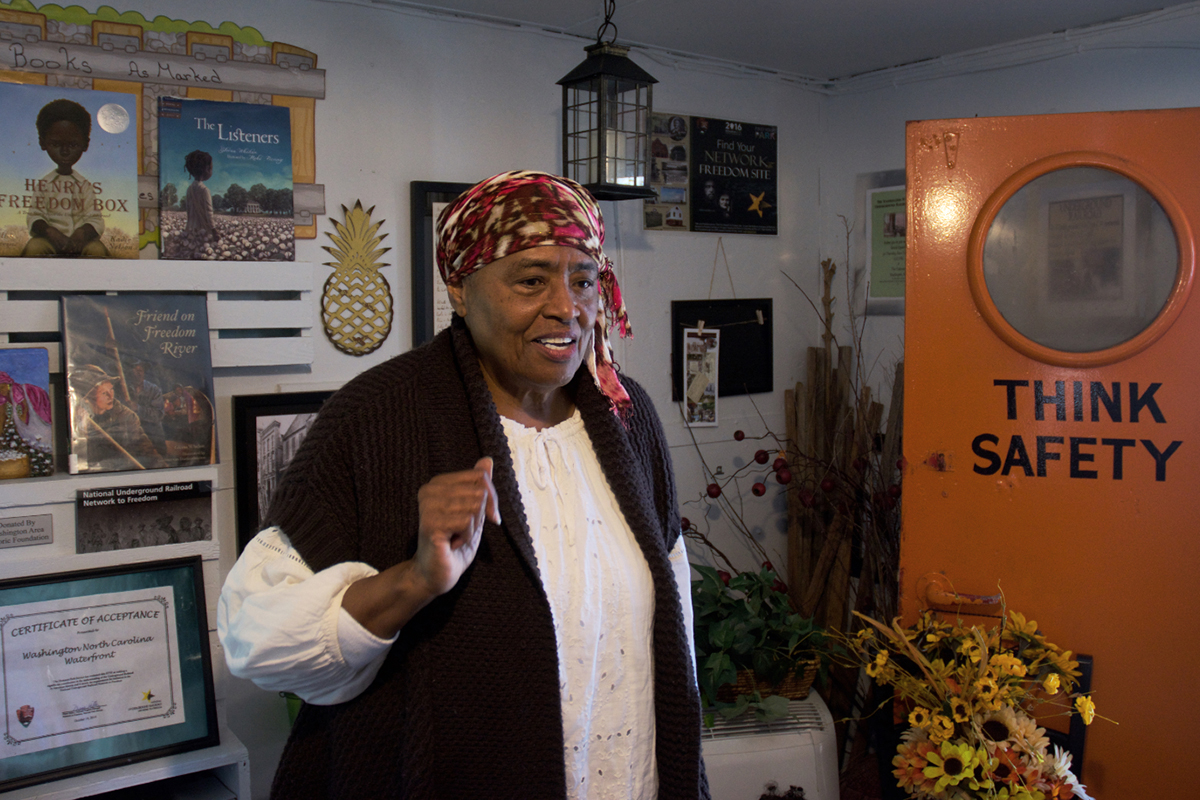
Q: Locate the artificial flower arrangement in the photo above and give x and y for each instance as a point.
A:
(745, 622)
(969, 693)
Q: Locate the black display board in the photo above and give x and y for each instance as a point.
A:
(745, 364)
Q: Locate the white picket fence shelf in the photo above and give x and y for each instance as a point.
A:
(260, 314)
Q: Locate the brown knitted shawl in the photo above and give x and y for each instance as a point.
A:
(467, 702)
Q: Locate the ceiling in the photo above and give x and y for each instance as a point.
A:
(814, 39)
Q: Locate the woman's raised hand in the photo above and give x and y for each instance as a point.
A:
(453, 507)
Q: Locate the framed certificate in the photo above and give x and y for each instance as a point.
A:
(103, 667)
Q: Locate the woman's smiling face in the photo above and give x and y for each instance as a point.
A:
(532, 315)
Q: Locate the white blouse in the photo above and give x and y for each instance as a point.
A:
(284, 628)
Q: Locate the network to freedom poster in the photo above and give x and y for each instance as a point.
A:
(734, 177)
(712, 175)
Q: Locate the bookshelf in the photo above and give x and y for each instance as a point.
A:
(260, 316)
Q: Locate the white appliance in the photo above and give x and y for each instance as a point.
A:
(743, 756)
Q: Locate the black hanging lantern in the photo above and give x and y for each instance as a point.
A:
(606, 118)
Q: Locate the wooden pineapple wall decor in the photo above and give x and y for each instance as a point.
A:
(356, 305)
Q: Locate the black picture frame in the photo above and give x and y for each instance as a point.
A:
(745, 364)
(116, 644)
(424, 194)
(250, 483)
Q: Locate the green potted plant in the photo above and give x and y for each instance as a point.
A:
(753, 650)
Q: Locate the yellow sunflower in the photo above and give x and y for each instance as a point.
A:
(1062, 661)
(1020, 625)
(1050, 683)
(986, 686)
(876, 666)
(1019, 793)
(950, 764)
(1086, 709)
(1006, 664)
(919, 717)
(940, 728)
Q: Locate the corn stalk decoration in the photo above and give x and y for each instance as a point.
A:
(356, 305)
(843, 504)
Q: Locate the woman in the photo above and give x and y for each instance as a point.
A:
(474, 570)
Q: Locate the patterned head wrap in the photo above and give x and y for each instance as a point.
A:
(516, 211)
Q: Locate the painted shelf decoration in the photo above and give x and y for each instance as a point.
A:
(356, 305)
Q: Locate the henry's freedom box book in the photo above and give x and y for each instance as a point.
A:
(68, 173)
(225, 180)
(139, 381)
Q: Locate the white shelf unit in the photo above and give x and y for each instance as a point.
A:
(228, 762)
(249, 303)
(265, 311)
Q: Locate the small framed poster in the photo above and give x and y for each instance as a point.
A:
(103, 667)
(887, 229)
(877, 238)
(431, 305)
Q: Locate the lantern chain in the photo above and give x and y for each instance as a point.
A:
(610, 8)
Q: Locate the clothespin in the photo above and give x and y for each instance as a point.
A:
(700, 327)
(758, 311)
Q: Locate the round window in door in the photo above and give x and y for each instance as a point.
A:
(1078, 265)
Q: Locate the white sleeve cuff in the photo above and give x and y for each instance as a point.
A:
(282, 627)
(358, 645)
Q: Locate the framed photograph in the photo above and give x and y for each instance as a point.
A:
(103, 667)
(701, 350)
(267, 432)
(431, 306)
(745, 360)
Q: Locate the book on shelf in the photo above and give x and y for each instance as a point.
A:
(26, 422)
(68, 173)
(139, 381)
(123, 517)
(225, 181)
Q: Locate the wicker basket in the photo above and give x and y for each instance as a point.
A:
(793, 687)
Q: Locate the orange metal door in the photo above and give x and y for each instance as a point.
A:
(1063, 475)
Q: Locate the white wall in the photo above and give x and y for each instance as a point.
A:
(409, 97)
